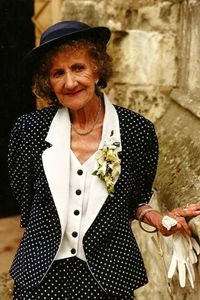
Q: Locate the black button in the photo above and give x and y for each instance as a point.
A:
(78, 192)
(80, 172)
(76, 212)
(74, 234)
(73, 251)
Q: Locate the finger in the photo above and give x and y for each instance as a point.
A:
(189, 213)
(191, 274)
(184, 226)
(193, 206)
(183, 213)
(172, 268)
(192, 258)
(195, 245)
(177, 212)
(182, 273)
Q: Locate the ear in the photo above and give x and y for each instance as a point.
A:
(98, 91)
(102, 83)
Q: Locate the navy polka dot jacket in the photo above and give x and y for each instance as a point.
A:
(112, 253)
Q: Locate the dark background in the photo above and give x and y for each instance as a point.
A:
(16, 39)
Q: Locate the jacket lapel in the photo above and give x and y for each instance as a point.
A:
(56, 162)
(98, 187)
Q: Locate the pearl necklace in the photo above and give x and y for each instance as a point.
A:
(92, 128)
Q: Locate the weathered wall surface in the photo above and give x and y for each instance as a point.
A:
(177, 183)
(143, 48)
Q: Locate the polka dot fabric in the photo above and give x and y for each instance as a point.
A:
(111, 250)
(68, 279)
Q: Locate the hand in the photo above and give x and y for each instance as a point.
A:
(185, 251)
(180, 214)
(190, 211)
(154, 218)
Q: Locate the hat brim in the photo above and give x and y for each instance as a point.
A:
(101, 34)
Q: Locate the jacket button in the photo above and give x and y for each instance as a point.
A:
(80, 172)
(73, 251)
(78, 192)
(76, 212)
(74, 234)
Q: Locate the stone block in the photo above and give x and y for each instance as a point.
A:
(149, 101)
(88, 12)
(161, 17)
(178, 176)
(145, 58)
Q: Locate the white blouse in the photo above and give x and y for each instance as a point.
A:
(83, 207)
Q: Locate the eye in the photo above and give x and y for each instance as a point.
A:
(78, 67)
(57, 73)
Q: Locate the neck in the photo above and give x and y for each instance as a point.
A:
(85, 117)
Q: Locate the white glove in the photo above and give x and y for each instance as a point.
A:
(185, 251)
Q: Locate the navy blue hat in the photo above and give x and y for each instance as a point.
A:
(67, 30)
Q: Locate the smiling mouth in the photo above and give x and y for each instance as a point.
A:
(74, 93)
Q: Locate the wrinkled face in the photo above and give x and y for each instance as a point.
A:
(73, 78)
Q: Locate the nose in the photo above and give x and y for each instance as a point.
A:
(70, 81)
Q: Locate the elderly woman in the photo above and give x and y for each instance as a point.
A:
(81, 169)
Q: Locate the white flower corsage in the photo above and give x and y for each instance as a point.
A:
(109, 164)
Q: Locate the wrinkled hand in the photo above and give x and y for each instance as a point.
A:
(180, 215)
(154, 218)
(185, 251)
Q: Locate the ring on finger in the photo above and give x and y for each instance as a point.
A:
(177, 215)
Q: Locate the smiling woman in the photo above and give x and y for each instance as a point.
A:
(81, 170)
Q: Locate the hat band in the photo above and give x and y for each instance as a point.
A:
(58, 34)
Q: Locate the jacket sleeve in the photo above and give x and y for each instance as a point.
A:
(146, 172)
(20, 166)
(150, 165)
